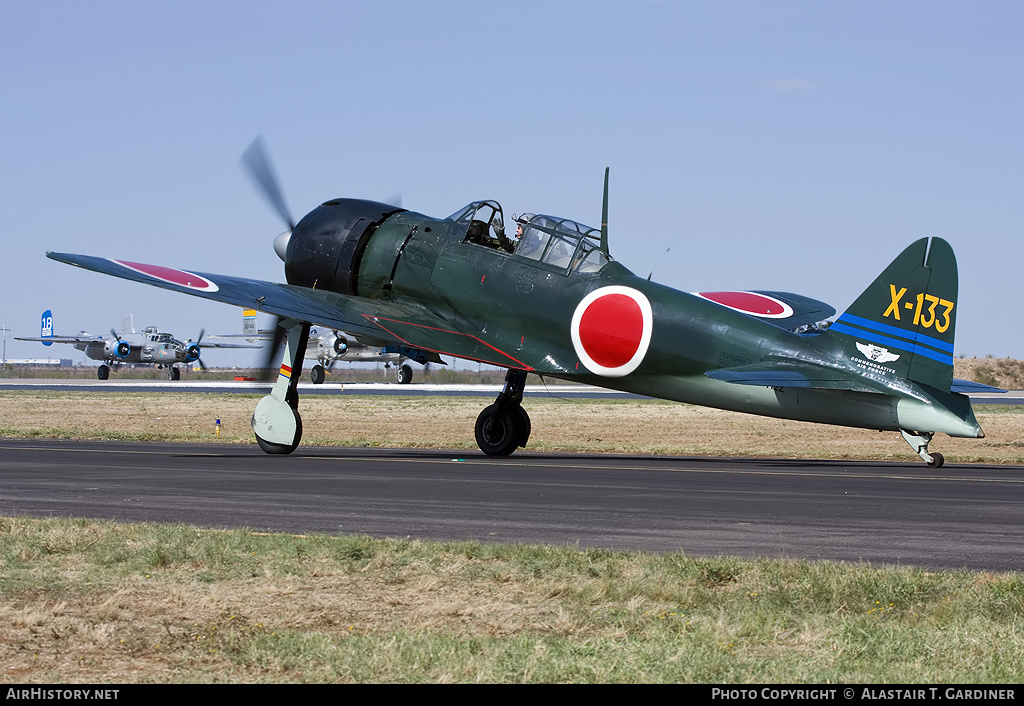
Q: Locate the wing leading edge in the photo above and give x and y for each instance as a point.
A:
(403, 323)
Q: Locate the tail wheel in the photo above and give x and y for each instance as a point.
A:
(937, 460)
(499, 434)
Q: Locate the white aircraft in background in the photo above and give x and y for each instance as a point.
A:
(150, 346)
(329, 346)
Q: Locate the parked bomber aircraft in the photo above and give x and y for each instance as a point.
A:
(328, 346)
(551, 300)
(150, 346)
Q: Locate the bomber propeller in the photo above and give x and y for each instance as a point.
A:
(193, 351)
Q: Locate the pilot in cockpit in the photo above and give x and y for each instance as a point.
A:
(502, 241)
(530, 242)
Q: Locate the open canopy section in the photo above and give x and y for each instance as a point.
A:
(481, 222)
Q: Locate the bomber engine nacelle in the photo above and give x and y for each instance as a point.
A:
(117, 348)
(340, 344)
(325, 248)
(331, 345)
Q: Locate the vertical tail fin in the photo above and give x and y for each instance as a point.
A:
(906, 319)
(46, 327)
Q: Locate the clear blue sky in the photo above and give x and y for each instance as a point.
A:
(771, 145)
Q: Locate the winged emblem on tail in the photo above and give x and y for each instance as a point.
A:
(876, 353)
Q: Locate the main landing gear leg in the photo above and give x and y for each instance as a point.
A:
(504, 426)
(276, 421)
(919, 441)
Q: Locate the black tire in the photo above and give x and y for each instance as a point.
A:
(937, 460)
(404, 375)
(280, 449)
(173, 374)
(524, 426)
(317, 375)
(103, 372)
(498, 436)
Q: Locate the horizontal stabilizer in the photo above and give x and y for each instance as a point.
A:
(807, 375)
(968, 387)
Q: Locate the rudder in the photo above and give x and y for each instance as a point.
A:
(905, 321)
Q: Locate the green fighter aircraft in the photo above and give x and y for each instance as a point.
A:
(551, 300)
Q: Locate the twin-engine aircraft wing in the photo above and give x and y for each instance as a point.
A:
(64, 339)
(404, 323)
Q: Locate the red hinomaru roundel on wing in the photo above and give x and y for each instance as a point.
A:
(751, 303)
(611, 330)
(172, 276)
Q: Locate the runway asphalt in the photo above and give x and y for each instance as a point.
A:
(885, 513)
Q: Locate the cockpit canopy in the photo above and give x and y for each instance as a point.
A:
(558, 242)
(561, 243)
(482, 223)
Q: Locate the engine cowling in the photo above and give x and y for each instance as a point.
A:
(325, 248)
(340, 344)
(118, 348)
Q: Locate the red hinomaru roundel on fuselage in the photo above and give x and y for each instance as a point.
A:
(611, 330)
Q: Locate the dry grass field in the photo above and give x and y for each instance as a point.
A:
(603, 426)
(95, 602)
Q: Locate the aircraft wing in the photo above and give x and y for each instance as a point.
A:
(403, 323)
(206, 343)
(63, 339)
(783, 309)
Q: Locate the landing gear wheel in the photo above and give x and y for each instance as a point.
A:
(173, 374)
(524, 426)
(404, 375)
(318, 375)
(103, 372)
(272, 448)
(937, 460)
(499, 435)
